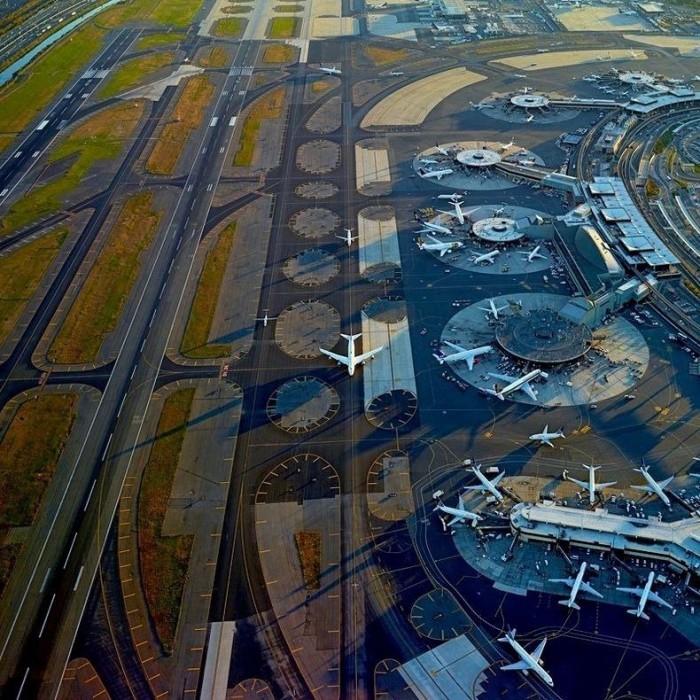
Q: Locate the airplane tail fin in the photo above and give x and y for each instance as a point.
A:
(350, 338)
(441, 360)
(643, 615)
(573, 605)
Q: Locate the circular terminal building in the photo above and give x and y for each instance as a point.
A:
(529, 101)
(636, 78)
(478, 158)
(497, 230)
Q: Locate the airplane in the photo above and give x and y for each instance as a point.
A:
(348, 237)
(493, 310)
(591, 485)
(429, 161)
(600, 58)
(486, 258)
(515, 384)
(546, 438)
(351, 360)
(519, 75)
(528, 662)
(462, 354)
(645, 594)
(635, 54)
(532, 254)
(576, 584)
(438, 174)
(530, 118)
(499, 211)
(436, 228)
(266, 318)
(396, 73)
(380, 6)
(459, 514)
(454, 197)
(457, 213)
(442, 151)
(504, 146)
(486, 484)
(330, 71)
(653, 486)
(442, 246)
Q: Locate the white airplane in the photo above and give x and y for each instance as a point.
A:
(516, 384)
(528, 662)
(459, 514)
(380, 6)
(546, 437)
(645, 594)
(519, 75)
(454, 197)
(530, 118)
(442, 151)
(532, 254)
(348, 237)
(653, 486)
(443, 247)
(462, 354)
(591, 485)
(493, 310)
(351, 360)
(436, 228)
(457, 213)
(504, 146)
(429, 161)
(486, 258)
(396, 73)
(332, 70)
(485, 484)
(266, 318)
(635, 54)
(438, 174)
(499, 211)
(576, 584)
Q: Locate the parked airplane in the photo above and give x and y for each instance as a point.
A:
(266, 318)
(546, 437)
(396, 73)
(635, 54)
(442, 246)
(645, 594)
(505, 146)
(530, 118)
(519, 75)
(591, 485)
(457, 213)
(351, 360)
(442, 151)
(461, 354)
(436, 228)
(459, 514)
(516, 384)
(576, 584)
(429, 161)
(499, 211)
(653, 486)
(493, 310)
(486, 258)
(486, 484)
(348, 237)
(438, 174)
(528, 662)
(332, 70)
(530, 255)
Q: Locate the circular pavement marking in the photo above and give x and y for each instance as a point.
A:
(312, 267)
(302, 404)
(437, 615)
(314, 223)
(305, 326)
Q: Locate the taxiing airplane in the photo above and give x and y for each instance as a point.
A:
(454, 197)
(330, 70)
(351, 360)
(396, 73)
(438, 174)
(485, 484)
(653, 486)
(459, 514)
(516, 384)
(528, 662)
(436, 228)
(645, 594)
(486, 258)
(443, 247)
(576, 584)
(266, 318)
(461, 354)
(493, 310)
(546, 437)
(591, 486)
(530, 255)
(530, 118)
(348, 237)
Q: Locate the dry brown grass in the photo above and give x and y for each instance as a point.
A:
(269, 106)
(278, 53)
(309, 548)
(228, 28)
(187, 116)
(218, 57)
(164, 560)
(321, 86)
(381, 56)
(99, 305)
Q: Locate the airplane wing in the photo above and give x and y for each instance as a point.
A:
(658, 599)
(453, 346)
(517, 666)
(663, 484)
(538, 652)
(568, 581)
(495, 482)
(368, 355)
(589, 589)
(503, 377)
(543, 440)
(531, 393)
(338, 358)
(633, 591)
(644, 487)
(582, 484)
(606, 485)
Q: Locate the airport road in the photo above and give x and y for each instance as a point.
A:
(38, 636)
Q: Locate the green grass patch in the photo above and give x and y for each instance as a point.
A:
(28, 96)
(288, 8)
(20, 275)
(228, 27)
(284, 27)
(309, 548)
(652, 189)
(100, 137)
(99, 305)
(195, 342)
(134, 73)
(153, 41)
(216, 58)
(270, 106)
(237, 9)
(278, 53)
(178, 14)
(662, 143)
(164, 560)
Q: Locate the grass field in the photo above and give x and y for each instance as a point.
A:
(153, 41)
(99, 305)
(100, 137)
(237, 9)
(269, 106)
(381, 56)
(131, 74)
(177, 14)
(196, 336)
(320, 85)
(217, 58)
(284, 27)
(25, 98)
(164, 560)
(20, 274)
(228, 28)
(309, 548)
(288, 8)
(186, 117)
(278, 53)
